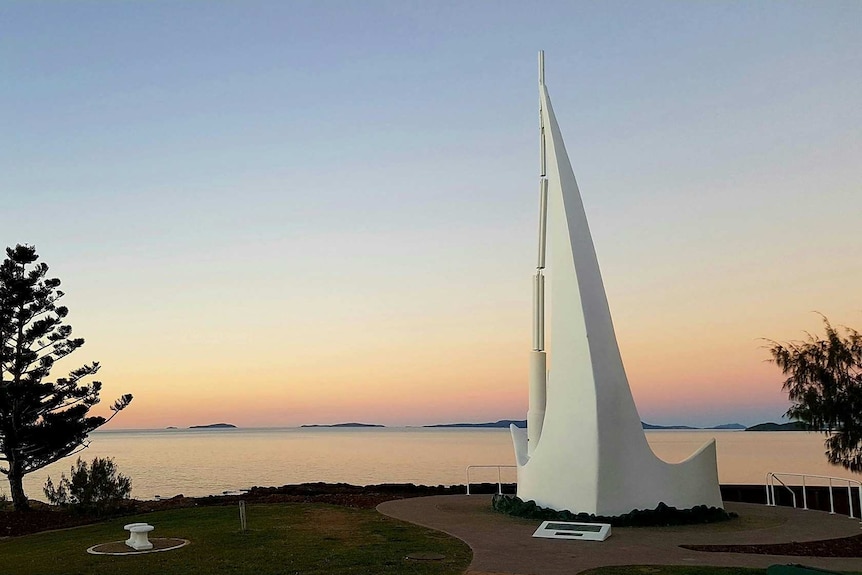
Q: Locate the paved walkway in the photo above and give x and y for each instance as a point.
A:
(504, 545)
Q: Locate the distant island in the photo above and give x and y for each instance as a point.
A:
(736, 426)
(651, 426)
(792, 426)
(351, 424)
(729, 426)
(505, 423)
(502, 423)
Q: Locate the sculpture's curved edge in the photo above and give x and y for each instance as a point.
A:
(644, 481)
(642, 484)
(708, 445)
(699, 475)
(519, 440)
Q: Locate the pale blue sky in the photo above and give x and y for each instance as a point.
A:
(267, 183)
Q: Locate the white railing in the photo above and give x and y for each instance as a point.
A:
(773, 478)
(499, 469)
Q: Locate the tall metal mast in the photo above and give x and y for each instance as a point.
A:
(538, 358)
(539, 278)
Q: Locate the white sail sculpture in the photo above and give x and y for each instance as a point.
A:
(584, 449)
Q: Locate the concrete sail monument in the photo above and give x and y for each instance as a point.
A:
(584, 449)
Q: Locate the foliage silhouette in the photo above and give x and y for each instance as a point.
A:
(824, 382)
(95, 488)
(662, 515)
(40, 421)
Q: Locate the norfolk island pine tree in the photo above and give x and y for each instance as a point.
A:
(40, 421)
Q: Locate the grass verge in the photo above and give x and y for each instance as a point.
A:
(281, 539)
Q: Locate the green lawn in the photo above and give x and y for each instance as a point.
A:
(281, 539)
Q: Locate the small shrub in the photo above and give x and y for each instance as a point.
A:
(4, 500)
(95, 488)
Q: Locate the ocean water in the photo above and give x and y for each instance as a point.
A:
(204, 462)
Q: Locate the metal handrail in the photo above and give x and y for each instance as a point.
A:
(499, 469)
(770, 490)
(771, 478)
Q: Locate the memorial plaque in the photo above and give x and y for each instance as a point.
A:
(576, 531)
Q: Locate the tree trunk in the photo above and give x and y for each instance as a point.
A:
(16, 485)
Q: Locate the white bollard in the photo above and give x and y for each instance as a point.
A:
(138, 539)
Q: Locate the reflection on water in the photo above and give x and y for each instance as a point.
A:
(203, 462)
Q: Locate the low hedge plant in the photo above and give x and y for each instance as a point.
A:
(662, 515)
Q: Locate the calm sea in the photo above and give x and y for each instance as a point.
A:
(204, 462)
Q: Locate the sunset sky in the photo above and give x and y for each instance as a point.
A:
(285, 212)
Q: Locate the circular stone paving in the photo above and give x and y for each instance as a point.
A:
(120, 547)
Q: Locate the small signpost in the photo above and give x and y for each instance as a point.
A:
(243, 524)
(569, 530)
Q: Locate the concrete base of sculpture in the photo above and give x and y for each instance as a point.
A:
(565, 481)
(138, 536)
